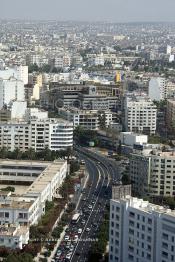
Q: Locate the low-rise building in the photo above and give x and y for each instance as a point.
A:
(43, 180)
(131, 139)
(13, 236)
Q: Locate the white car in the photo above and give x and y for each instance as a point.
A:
(90, 206)
(80, 230)
(87, 229)
(76, 237)
(68, 256)
(83, 222)
(66, 238)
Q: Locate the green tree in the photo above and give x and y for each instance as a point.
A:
(126, 179)
(33, 68)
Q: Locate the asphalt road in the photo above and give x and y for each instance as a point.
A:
(106, 171)
(102, 171)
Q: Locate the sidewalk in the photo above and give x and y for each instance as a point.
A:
(57, 245)
(63, 233)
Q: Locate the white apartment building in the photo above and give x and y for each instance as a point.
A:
(140, 115)
(35, 113)
(56, 134)
(18, 72)
(140, 231)
(15, 135)
(18, 109)
(157, 89)
(11, 90)
(153, 173)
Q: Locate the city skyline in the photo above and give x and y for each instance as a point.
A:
(129, 11)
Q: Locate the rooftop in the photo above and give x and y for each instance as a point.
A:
(146, 206)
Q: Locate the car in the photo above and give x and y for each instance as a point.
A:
(68, 256)
(84, 199)
(71, 248)
(67, 230)
(80, 230)
(90, 206)
(87, 229)
(83, 222)
(66, 238)
(75, 237)
(92, 202)
(59, 252)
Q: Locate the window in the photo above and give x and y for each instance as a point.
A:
(164, 254)
(131, 214)
(6, 214)
(149, 221)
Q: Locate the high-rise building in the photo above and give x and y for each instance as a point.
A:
(140, 115)
(140, 231)
(157, 89)
(153, 173)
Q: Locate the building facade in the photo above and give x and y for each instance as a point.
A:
(55, 134)
(140, 231)
(153, 173)
(157, 89)
(140, 115)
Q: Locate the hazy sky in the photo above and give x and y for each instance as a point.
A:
(90, 10)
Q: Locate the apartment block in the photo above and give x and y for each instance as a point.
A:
(141, 231)
(56, 134)
(157, 89)
(153, 172)
(140, 115)
(88, 119)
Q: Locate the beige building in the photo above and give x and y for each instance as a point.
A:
(153, 173)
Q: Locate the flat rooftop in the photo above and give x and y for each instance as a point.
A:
(45, 177)
(146, 206)
(46, 172)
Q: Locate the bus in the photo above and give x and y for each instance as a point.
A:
(75, 218)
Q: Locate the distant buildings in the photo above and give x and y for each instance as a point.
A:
(140, 231)
(88, 119)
